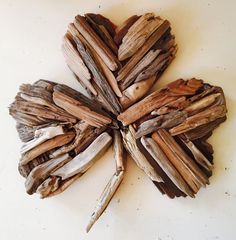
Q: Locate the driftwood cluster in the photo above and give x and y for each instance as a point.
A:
(118, 65)
(64, 132)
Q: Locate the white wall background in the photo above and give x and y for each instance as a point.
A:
(30, 40)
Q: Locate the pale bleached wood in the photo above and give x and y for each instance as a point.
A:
(51, 184)
(64, 185)
(131, 146)
(43, 171)
(40, 136)
(136, 91)
(46, 146)
(155, 151)
(76, 64)
(105, 198)
(82, 129)
(83, 161)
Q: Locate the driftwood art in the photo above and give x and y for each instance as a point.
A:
(64, 132)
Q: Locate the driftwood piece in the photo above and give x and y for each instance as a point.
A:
(167, 186)
(25, 170)
(143, 50)
(105, 198)
(91, 135)
(182, 162)
(37, 113)
(102, 50)
(164, 121)
(203, 130)
(156, 66)
(102, 31)
(143, 107)
(131, 146)
(41, 172)
(143, 64)
(46, 146)
(25, 132)
(199, 119)
(79, 109)
(202, 103)
(98, 76)
(118, 151)
(63, 185)
(51, 184)
(123, 28)
(40, 136)
(109, 76)
(103, 21)
(136, 91)
(83, 161)
(137, 34)
(158, 99)
(82, 129)
(76, 63)
(198, 155)
(177, 104)
(156, 152)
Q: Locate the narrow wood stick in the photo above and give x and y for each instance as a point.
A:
(118, 151)
(105, 198)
